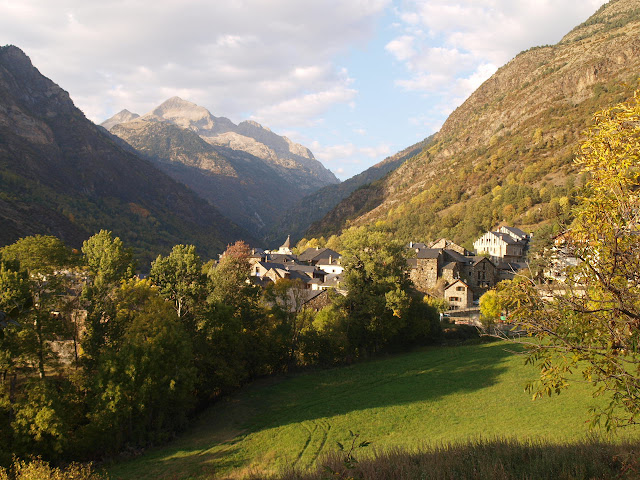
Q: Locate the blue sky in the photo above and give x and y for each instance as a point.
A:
(353, 80)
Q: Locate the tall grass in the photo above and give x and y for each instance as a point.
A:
(483, 460)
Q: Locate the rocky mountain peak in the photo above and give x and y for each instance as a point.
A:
(22, 80)
(292, 161)
(122, 116)
(189, 115)
(253, 124)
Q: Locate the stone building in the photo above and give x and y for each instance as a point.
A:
(508, 244)
(459, 295)
(433, 269)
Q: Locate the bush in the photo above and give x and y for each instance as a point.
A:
(460, 332)
(37, 469)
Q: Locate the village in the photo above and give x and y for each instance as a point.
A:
(441, 269)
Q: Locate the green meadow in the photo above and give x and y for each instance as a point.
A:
(425, 399)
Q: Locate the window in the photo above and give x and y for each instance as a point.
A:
(454, 299)
(459, 289)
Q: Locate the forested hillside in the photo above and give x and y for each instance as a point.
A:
(63, 175)
(506, 154)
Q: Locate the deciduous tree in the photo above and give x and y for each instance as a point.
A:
(591, 322)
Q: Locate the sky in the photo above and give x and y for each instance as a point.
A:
(353, 80)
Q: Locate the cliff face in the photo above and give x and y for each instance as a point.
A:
(248, 172)
(505, 155)
(63, 175)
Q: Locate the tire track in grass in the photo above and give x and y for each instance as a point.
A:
(307, 443)
(326, 428)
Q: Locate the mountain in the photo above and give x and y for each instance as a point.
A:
(242, 186)
(290, 159)
(121, 117)
(62, 175)
(313, 207)
(248, 172)
(506, 154)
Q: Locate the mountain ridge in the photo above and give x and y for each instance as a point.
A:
(301, 218)
(249, 173)
(288, 158)
(505, 154)
(56, 164)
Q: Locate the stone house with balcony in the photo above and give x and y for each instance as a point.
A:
(459, 295)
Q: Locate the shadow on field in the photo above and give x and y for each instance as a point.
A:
(216, 442)
(395, 381)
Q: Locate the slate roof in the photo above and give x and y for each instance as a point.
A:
(457, 257)
(315, 254)
(505, 237)
(270, 265)
(511, 266)
(429, 253)
(456, 281)
(516, 231)
(281, 258)
(449, 266)
(478, 258)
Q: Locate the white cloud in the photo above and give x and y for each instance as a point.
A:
(305, 109)
(345, 160)
(231, 57)
(450, 47)
(402, 47)
(444, 37)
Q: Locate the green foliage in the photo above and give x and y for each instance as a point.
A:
(107, 258)
(45, 412)
(377, 285)
(38, 254)
(179, 277)
(230, 282)
(490, 308)
(590, 321)
(37, 469)
(145, 376)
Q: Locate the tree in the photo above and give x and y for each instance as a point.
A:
(287, 298)
(377, 288)
(231, 283)
(231, 290)
(109, 263)
(591, 322)
(107, 258)
(43, 258)
(145, 376)
(179, 277)
(490, 309)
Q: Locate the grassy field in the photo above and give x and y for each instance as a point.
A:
(427, 398)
